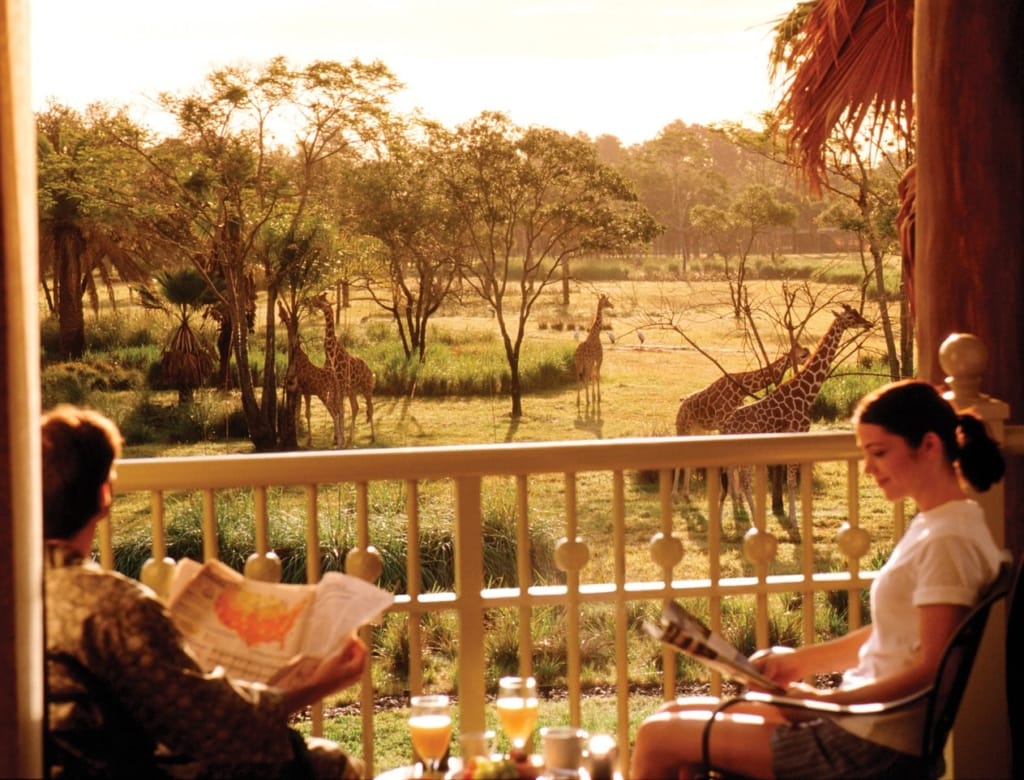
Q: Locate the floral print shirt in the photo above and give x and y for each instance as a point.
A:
(125, 697)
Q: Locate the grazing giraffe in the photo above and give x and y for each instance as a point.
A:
(354, 377)
(308, 379)
(705, 410)
(787, 408)
(587, 359)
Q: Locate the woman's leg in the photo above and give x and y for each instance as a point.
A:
(668, 743)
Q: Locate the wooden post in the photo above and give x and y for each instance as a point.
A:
(980, 744)
(21, 564)
(969, 275)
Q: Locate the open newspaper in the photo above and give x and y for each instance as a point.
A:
(268, 632)
(683, 631)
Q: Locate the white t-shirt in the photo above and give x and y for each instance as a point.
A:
(946, 556)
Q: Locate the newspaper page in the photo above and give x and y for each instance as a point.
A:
(268, 632)
(686, 633)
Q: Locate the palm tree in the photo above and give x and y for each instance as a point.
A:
(85, 228)
(186, 361)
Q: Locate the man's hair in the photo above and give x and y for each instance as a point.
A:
(79, 448)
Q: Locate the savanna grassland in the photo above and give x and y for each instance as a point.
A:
(661, 341)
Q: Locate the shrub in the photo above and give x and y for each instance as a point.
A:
(840, 394)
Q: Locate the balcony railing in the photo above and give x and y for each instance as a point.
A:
(608, 470)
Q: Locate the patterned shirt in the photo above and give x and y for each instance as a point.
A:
(125, 697)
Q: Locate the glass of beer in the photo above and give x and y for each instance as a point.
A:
(517, 710)
(430, 724)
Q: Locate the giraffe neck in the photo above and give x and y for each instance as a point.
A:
(809, 379)
(333, 350)
(595, 328)
(760, 378)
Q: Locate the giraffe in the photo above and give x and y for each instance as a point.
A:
(787, 408)
(308, 379)
(354, 377)
(587, 359)
(705, 410)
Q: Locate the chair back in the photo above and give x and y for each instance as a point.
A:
(1015, 671)
(954, 669)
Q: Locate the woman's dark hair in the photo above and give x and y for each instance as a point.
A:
(79, 447)
(911, 408)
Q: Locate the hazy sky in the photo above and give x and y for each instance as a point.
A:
(623, 67)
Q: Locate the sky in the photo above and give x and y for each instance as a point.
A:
(625, 68)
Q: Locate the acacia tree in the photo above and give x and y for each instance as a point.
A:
(401, 202)
(528, 201)
(674, 173)
(752, 212)
(254, 148)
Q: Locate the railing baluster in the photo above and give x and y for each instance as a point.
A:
(469, 584)
(414, 586)
(621, 616)
(313, 573)
(524, 575)
(571, 555)
(210, 551)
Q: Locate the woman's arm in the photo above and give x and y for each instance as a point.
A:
(937, 623)
(834, 655)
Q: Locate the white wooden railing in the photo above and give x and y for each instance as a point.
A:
(606, 467)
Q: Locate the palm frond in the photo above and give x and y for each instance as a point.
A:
(851, 63)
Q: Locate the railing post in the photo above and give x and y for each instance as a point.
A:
(469, 585)
(980, 743)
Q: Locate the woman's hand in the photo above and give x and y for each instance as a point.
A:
(781, 665)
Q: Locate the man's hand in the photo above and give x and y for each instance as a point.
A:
(334, 673)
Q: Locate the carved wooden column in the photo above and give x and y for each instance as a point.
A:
(21, 609)
(969, 269)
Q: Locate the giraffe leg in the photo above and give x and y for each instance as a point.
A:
(745, 492)
(353, 401)
(309, 426)
(791, 480)
(369, 415)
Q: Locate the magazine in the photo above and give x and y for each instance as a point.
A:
(267, 632)
(686, 633)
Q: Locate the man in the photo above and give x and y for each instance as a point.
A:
(125, 697)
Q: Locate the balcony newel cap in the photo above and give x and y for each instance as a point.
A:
(963, 357)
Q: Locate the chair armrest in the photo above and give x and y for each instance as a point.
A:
(826, 707)
(806, 705)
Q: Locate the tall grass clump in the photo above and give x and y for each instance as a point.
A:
(476, 367)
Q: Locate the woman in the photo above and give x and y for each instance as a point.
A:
(915, 446)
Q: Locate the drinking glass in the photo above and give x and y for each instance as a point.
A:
(517, 709)
(430, 724)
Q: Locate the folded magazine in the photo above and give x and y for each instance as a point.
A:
(684, 632)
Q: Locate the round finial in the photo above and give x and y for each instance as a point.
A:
(759, 546)
(571, 555)
(366, 564)
(963, 357)
(666, 550)
(852, 542)
(266, 567)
